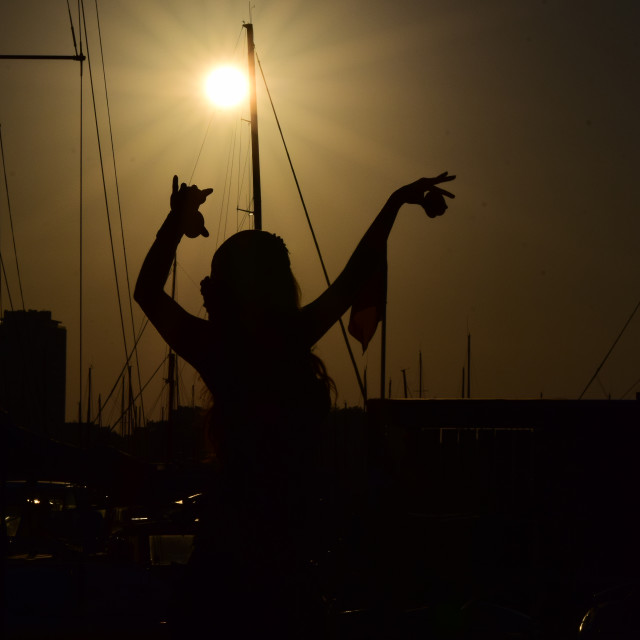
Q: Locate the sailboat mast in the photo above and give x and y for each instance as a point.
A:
(468, 365)
(89, 400)
(255, 150)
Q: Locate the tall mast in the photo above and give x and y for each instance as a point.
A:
(255, 150)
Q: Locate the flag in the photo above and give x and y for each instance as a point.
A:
(368, 307)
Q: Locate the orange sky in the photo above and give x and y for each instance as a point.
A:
(532, 104)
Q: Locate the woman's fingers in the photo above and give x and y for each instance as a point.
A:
(443, 177)
(444, 192)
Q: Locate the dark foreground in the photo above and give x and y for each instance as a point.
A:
(459, 520)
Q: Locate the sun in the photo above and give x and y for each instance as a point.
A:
(226, 86)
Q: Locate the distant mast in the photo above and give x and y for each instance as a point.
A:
(255, 150)
(468, 365)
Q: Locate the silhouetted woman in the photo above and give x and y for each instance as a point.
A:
(270, 396)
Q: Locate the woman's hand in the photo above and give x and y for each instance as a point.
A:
(185, 202)
(427, 194)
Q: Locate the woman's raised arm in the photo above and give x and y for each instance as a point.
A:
(183, 332)
(369, 256)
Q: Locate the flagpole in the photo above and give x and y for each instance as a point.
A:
(383, 338)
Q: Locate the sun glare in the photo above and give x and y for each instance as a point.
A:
(226, 86)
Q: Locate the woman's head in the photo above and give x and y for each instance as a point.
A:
(251, 273)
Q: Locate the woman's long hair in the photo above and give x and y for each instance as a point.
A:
(253, 299)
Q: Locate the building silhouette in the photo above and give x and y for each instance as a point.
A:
(33, 369)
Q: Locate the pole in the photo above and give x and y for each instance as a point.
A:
(89, 401)
(383, 338)
(78, 58)
(130, 403)
(171, 378)
(255, 150)
(123, 417)
(468, 365)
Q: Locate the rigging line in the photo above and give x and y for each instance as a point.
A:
(81, 259)
(226, 195)
(615, 342)
(188, 392)
(246, 174)
(606, 393)
(73, 33)
(313, 235)
(104, 187)
(243, 175)
(227, 190)
(13, 235)
(153, 375)
(126, 364)
(236, 154)
(237, 177)
(210, 121)
(158, 401)
(238, 180)
(630, 389)
(6, 281)
(206, 133)
(117, 187)
(222, 200)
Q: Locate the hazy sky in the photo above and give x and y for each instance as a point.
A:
(533, 104)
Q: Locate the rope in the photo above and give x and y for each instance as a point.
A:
(73, 33)
(7, 287)
(126, 364)
(615, 342)
(115, 173)
(313, 235)
(244, 178)
(104, 187)
(153, 375)
(630, 389)
(13, 236)
(226, 191)
(228, 179)
(80, 283)
(229, 161)
(159, 400)
(206, 133)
